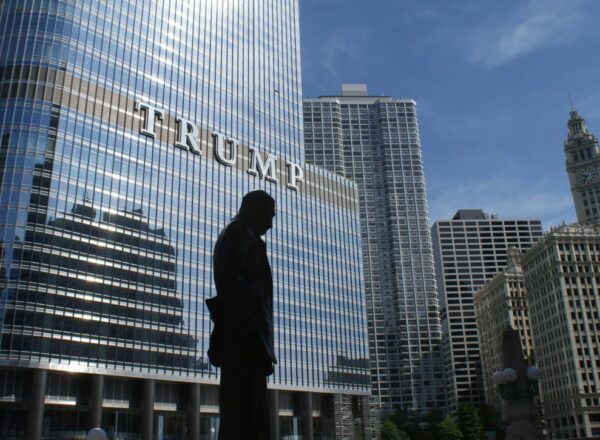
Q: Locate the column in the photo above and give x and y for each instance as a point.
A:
(147, 413)
(95, 401)
(35, 416)
(193, 411)
(307, 419)
(365, 407)
(342, 406)
(274, 413)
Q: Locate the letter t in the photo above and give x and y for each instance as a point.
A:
(151, 113)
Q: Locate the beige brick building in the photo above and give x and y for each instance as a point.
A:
(498, 304)
(562, 280)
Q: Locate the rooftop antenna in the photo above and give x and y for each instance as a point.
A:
(571, 101)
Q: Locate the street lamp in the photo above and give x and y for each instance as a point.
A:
(518, 387)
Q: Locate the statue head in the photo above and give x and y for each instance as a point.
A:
(257, 210)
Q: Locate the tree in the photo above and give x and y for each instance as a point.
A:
(389, 431)
(417, 428)
(469, 422)
(405, 426)
(447, 429)
(404, 435)
(400, 419)
(433, 418)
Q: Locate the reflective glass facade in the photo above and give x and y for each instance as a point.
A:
(107, 232)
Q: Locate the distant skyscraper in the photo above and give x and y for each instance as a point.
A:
(583, 167)
(498, 304)
(562, 280)
(470, 250)
(374, 140)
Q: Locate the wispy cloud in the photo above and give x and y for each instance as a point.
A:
(341, 56)
(539, 24)
(506, 197)
(336, 50)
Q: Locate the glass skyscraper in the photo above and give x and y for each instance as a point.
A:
(374, 140)
(129, 131)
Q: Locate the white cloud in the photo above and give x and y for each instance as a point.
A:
(541, 23)
(344, 48)
(547, 200)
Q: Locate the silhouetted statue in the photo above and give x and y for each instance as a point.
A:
(242, 340)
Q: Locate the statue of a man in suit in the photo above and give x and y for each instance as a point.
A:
(242, 339)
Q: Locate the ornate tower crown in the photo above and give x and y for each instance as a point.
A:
(576, 125)
(582, 154)
(581, 145)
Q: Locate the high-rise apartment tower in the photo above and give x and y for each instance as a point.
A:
(470, 250)
(374, 140)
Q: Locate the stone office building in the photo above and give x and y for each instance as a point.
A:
(562, 280)
(129, 131)
(470, 249)
(500, 303)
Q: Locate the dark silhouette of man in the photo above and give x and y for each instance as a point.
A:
(242, 339)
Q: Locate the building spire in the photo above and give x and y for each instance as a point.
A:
(576, 123)
(571, 101)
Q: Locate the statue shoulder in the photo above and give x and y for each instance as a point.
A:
(235, 235)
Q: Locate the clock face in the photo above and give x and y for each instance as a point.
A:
(586, 175)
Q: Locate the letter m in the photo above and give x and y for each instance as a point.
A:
(264, 169)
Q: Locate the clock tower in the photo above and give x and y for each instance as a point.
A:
(583, 167)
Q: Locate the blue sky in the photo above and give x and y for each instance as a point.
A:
(491, 79)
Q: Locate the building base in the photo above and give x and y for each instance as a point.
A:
(37, 404)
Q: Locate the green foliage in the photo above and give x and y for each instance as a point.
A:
(400, 419)
(357, 432)
(403, 435)
(389, 431)
(408, 430)
(433, 419)
(447, 429)
(469, 422)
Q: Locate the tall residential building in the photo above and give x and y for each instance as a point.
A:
(469, 251)
(374, 140)
(498, 304)
(129, 132)
(562, 280)
(583, 168)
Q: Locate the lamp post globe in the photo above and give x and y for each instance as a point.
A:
(533, 374)
(498, 378)
(510, 375)
(96, 434)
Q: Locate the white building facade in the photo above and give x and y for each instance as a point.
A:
(374, 141)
